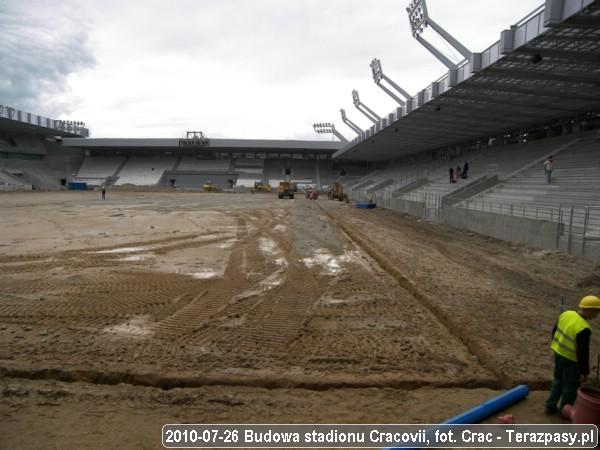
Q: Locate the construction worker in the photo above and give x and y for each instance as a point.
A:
(571, 346)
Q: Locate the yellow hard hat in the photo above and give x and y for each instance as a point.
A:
(590, 301)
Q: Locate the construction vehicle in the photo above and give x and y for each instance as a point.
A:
(285, 190)
(336, 192)
(259, 186)
(209, 186)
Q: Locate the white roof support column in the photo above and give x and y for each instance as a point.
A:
(350, 124)
(464, 51)
(379, 76)
(419, 19)
(368, 112)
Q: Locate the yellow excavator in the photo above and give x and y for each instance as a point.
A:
(261, 187)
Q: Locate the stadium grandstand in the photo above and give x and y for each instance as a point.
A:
(532, 94)
(228, 163)
(31, 153)
(47, 156)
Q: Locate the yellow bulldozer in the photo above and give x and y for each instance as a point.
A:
(261, 187)
(209, 186)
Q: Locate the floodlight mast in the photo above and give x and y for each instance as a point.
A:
(378, 76)
(350, 124)
(329, 128)
(419, 19)
(371, 115)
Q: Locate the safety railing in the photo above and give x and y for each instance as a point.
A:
(577, 227)
(591, 227)
(432, 204)
(10, 187)
(539, 212)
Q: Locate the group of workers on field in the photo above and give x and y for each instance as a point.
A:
(571, 345)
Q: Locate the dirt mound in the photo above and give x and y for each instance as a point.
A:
(591, 281)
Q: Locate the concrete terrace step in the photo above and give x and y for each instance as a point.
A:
(576, 180)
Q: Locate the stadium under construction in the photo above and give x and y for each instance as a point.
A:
(131, 298)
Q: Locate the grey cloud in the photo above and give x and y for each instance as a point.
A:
(42, 44)
(241, 62)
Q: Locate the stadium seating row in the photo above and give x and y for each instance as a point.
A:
(148, 170)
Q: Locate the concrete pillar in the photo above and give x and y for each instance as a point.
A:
(553, 13)
(318, 174)
(507, 41)
(475, 62)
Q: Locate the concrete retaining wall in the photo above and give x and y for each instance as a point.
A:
(196, 180)
(416, 209)
(537, 233)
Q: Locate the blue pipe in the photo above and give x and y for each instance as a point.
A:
(490, 407)
(486, 409)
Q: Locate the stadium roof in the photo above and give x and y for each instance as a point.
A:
(16, 121)
(546, 67)
(221, 145)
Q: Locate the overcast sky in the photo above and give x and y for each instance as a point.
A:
(231, 68)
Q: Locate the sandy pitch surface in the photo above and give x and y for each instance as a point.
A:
(246, 293)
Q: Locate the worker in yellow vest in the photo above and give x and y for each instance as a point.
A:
(571, 346)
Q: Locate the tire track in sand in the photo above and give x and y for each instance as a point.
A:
(482, 354)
